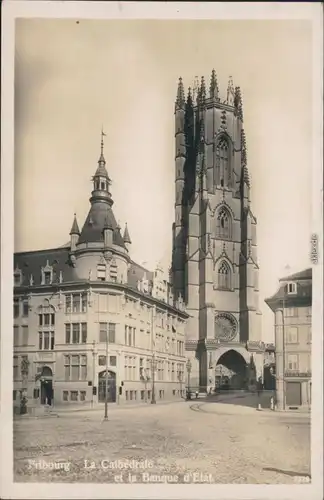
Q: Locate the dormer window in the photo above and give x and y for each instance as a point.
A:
(17, 277)
(102, 186)
(291, 288)
(47, 274)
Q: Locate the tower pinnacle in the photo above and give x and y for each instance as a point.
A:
(213, 89)
(180, 101)
(75, 227)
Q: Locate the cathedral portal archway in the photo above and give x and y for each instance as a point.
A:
(231, 371)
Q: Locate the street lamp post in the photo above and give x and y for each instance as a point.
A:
(106, 384)
(188, 366)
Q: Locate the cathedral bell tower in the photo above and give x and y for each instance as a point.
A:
(214, 262)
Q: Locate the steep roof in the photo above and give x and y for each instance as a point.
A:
(100, 214)
(306, 274)
(30, 263)
(303, 295)
(136, 273)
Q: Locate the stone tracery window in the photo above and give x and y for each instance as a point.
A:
(224, 224)
(223, 172)
(225, 327)
(224, 276)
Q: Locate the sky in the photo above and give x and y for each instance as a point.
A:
(72, 78)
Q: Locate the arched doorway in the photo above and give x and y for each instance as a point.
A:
(111, 386)
(46, 386)
(231, 371)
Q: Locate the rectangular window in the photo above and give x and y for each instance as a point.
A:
(292, 288)
(15, 367)
(16, 335)
(126, 395)
(74, 395)
(292, 362)
(76, 303)
(47, 278)
(83, 395)
(40, 341)
(84, 333)
(130, 329)
(46, 344)
(75, 333)
(16, 308)
(68, 334)
(126, 334)
(292, 335)
(14, 395)
(68, 304)
(291, 312)
(102, 360)
(52, 340)
(25, 335)
(25, 308)
(142, 395)
(103, 329)
(84, 298)
(83, 375)
(67, 367)
(113, 360)
(111, 333)
(40, 320)
(65, 395)
(36, 393)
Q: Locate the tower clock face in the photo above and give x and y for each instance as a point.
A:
(225, 327)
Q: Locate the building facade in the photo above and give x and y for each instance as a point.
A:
(214, 263)
(292, 307)
(87, 307)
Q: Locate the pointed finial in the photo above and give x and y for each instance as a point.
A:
(75, 227)
(238, 103)
(189, 97)
(126, 236)
(180, 101)
(230, 92)
(213, 89)
(195, 89)
(102, 139)
(203, 89)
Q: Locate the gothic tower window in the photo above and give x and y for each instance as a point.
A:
(224, 224)
(224, 276)
(223, 172)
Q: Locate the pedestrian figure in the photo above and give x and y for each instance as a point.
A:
(197, 394)
(259, 391)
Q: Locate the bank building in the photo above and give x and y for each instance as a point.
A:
(76, 303)
(86, 307)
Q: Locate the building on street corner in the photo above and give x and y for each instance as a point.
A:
(292, 307)
(76, 303)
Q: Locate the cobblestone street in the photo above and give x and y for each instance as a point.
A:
(179, 442)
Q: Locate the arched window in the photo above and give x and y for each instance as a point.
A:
(223, 172)
(224, 224)
(224, 276)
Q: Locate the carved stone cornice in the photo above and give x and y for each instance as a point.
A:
(255, 346)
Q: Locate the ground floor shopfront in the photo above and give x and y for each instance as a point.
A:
(294, 392)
